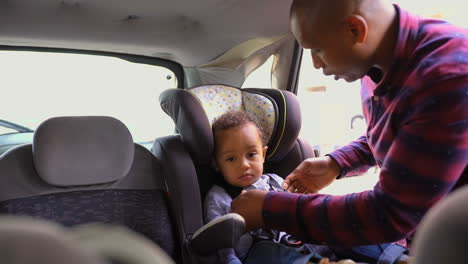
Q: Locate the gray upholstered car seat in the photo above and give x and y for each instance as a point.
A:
(87, 169)
(442, 236)
(27, 240)
(188, 154)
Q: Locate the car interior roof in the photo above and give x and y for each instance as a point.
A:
(191, 33)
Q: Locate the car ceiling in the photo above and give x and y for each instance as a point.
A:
(189, 32)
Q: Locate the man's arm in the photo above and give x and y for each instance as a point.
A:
(423, 163)
(314, 174)
(355, 158)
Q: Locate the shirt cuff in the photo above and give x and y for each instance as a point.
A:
(336, 156)
(279, 208)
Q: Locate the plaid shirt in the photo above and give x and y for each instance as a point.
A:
(417, 134)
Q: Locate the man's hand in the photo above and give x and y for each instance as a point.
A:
(312, 175)
(249, 204)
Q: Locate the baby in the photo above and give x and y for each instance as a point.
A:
(238, 158)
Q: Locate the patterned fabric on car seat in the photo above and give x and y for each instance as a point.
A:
(218, 99)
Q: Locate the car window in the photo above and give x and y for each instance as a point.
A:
(5, 130)
(260, 77)
(449, 10)
(331, 109)
(41, 85)
(331, 118)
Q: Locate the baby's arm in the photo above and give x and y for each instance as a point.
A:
(217, 204)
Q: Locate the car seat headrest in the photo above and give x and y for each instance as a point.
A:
(217, 100)
(74, 151)
(27, 240)
(194, 111)
(442, 234)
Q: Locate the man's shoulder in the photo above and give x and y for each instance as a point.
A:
(440, 29)
(442, 48)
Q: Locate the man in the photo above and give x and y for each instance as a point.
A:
(414, 75)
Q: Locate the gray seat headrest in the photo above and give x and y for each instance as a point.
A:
(442, 235)
(74, 151)
(27, 240)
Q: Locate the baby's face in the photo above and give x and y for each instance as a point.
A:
(240, 155)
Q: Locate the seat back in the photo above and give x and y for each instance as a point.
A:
(87, 169)
(443, 233)
(26, 240)
(191, 150)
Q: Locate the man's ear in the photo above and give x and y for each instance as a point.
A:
(265, 148)
(358, 28)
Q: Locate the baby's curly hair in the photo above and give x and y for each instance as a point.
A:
(233, 119)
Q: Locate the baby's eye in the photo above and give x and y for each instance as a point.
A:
(251, 155)
(230, 159)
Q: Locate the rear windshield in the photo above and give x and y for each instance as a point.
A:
(36, 86)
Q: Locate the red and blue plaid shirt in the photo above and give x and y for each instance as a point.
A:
(417, 134)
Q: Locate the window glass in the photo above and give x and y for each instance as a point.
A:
(331, 110)
(5, 130)
(449, 10)
(260, 77)
(331, 118)
(36, 86)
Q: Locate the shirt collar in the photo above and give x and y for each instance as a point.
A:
(406, 26)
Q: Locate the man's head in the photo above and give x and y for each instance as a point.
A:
(342, 35)
(239, 148)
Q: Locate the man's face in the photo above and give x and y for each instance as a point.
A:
(239, 155)
(333, 50)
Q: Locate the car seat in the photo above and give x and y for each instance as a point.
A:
(443, 233)
(88, 169)
(187, 155)
(27, 240)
